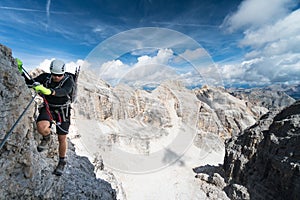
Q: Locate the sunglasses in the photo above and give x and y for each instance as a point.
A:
(58, 75)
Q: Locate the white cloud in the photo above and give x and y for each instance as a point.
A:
(112, 71)
(287, 28)
(255, 13)
(246, 72)
(72, 66)
(273, 35)
(48, 13)
(97, 29)
(20, 9)
(45, 65)
(147, 69)
(149, 74)
(48, 8)
(264, 70)
(143, 51)
(153, 70)
(162, 57)
(191, 55)
(278, 46)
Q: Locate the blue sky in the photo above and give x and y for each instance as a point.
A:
(251, 42)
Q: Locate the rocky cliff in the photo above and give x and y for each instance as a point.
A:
(265, 158)
(263, 162)
(26, 173)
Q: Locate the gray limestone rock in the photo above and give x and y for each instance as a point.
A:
(265, 158)
(233, 114)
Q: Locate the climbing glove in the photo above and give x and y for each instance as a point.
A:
(20, 65)
(42, 89)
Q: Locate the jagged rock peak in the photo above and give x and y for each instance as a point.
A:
(235, 114)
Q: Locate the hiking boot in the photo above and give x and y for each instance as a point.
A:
(60, 168)
(44, 143)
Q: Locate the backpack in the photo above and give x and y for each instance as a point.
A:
(73, 94)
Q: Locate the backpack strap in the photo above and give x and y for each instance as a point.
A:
(47, 81)
(66, 77)
(63, 81)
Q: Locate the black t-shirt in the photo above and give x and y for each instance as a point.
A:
(62, 91)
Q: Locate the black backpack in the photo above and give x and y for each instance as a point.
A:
(73, 94)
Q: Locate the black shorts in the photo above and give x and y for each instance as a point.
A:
(62, 122)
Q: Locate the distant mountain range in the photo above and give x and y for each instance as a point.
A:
(291, 90)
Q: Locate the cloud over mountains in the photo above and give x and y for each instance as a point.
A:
(271, 32)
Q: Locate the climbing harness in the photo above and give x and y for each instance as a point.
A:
(60, 114)
(15, 124)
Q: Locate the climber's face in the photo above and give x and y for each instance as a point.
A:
(57, 77)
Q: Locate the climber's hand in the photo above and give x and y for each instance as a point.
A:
(42, 89)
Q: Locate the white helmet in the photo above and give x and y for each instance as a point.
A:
(57, 67)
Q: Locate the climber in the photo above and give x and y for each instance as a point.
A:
(55, 88)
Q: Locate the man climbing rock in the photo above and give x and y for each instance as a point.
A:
(55, 88)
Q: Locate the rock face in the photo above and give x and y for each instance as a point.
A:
(25, 173)
(234, 114)
(263, 162)
(265, 158)
(212, 113)
(212, 181)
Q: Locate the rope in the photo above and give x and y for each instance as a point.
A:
(47, 108)
(15, 124)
